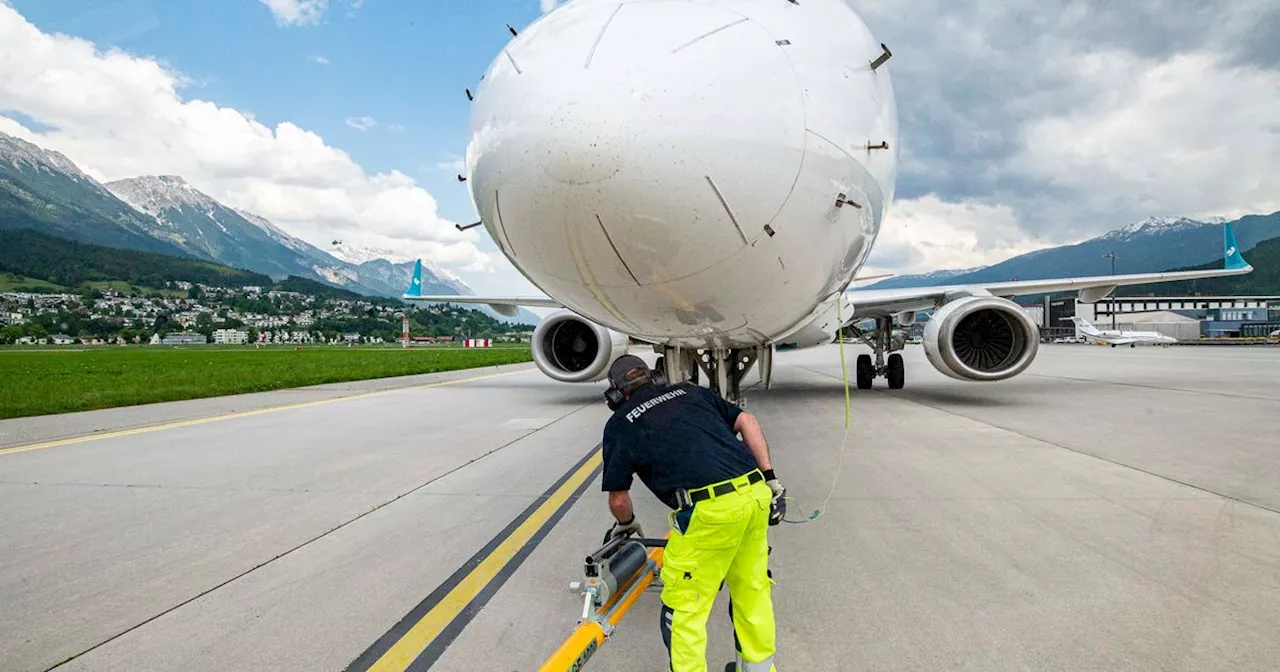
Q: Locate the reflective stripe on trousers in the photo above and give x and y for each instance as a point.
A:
(725, 540)
(762, 666)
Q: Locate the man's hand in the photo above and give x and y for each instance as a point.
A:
(621, 529)
(778, 505)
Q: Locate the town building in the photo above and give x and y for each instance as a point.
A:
(184, 338)
(230, 336)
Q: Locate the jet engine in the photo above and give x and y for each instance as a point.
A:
(572, 350)
(981, 338)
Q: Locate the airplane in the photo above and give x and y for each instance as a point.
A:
(1113, 337)
(708, 178)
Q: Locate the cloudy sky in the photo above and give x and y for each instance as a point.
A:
(1024, 124)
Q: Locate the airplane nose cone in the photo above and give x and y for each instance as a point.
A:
(624, 144)
(579, 145)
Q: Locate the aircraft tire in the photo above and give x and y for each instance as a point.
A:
(865, 372)
(897, 373)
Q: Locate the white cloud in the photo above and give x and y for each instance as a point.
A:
(362, 123)
(119, 115)
(928, 233)
(297, 12)
(548, 5)
(395, 128)
(1191, 135)
(318, 58)
(457, 166)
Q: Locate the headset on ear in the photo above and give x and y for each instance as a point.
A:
(614, 397)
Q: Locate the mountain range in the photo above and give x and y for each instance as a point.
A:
(1149, 246)
(46, 191)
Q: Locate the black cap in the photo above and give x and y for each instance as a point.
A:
(621, 366)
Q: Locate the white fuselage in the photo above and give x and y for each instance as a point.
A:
(1113, 337)
(671, 169)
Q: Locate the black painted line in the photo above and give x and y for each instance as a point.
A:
(455, 627)
(615, 250)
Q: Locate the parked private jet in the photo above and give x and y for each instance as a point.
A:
(709, 177)
(1114, 337)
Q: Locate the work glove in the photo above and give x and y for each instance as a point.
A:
(777, 505)
(619, 529)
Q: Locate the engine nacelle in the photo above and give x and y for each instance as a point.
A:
(572, 350)
(981, 338)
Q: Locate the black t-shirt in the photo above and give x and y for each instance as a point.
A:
(673, 437)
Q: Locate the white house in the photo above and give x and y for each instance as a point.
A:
(230, 336)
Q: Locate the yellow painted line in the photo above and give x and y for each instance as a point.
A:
(242, 414)
(420, 636)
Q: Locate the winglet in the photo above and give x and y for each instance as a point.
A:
(415, 285)
(1233, 259)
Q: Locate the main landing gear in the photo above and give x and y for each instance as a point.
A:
(881, 340)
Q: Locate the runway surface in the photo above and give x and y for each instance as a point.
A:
(1108, 510)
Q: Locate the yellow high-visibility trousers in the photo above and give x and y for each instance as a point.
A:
(725, 540)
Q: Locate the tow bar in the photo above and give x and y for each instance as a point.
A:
(613, 577)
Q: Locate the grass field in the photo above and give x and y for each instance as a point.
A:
(10, 282)
(39, 382)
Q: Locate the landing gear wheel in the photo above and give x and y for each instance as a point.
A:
(660, 366)
(1133, 345)
(865, 372)
(731, 667)
(897, 372)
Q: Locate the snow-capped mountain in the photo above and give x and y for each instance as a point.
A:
(200, 224)
(206, 228)
(23, 155)
(45, 190)
(1152, 245)
(1159, 226)
(353, 254)
(923, 279)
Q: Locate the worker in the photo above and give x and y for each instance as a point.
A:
(681, 440)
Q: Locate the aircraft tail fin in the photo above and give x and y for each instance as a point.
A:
(415, 285)
(1231, 252)
(1085, 326)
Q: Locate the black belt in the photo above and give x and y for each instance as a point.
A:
(701, 494)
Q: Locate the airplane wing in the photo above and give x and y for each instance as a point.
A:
(503, 305)
(507, 305)
(885, 302)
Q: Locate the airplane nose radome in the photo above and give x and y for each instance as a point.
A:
(575, 148)
(635, 143)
